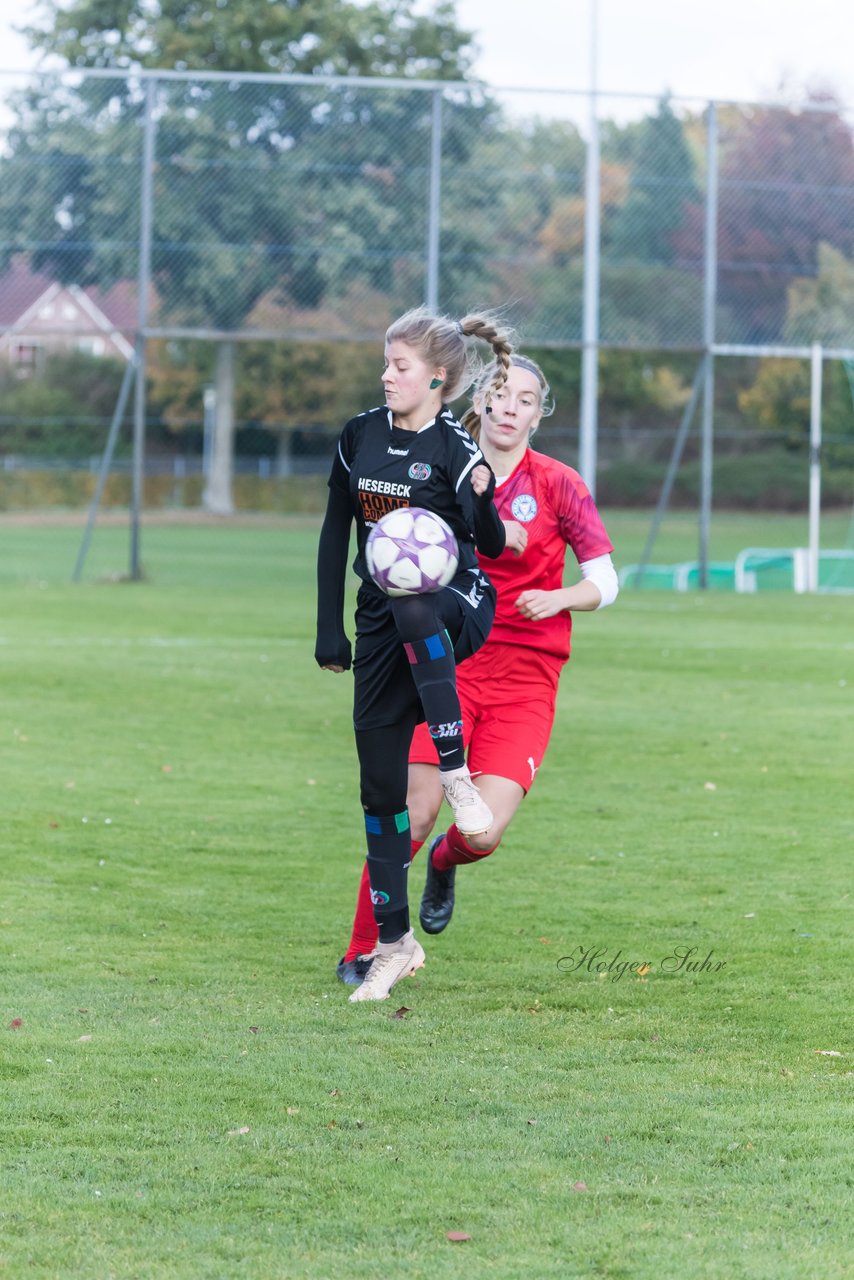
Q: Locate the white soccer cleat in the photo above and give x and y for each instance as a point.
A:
(471, 812)
(392, 961)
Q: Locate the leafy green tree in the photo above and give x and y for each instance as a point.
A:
(295, 191)
(64, 412)
(257, 187)
(661, 186)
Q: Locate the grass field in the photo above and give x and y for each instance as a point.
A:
(186, 1090)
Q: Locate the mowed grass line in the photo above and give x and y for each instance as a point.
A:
(189, 1092)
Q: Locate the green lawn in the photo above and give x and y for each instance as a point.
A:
(186, 1090)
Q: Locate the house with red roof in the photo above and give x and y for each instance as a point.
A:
(39, 315)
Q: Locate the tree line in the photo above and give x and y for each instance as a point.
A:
(303, 208)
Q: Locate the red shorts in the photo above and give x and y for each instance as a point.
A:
(507, 695)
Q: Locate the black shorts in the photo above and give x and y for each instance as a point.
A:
(384, 691)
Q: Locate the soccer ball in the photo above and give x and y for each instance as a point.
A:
(410, 551)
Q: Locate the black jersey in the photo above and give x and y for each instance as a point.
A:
(383, 467)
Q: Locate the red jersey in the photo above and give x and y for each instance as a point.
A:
(553, 503)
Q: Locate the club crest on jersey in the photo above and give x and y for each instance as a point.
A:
(420, 471)
(524, 507)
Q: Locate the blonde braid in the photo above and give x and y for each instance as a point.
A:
(470, 421)
(501, 342)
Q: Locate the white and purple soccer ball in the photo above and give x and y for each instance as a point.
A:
(411, 551)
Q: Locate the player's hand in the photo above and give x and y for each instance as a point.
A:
(517, 536)
(480, 479)
(536, 605)
(333, 653)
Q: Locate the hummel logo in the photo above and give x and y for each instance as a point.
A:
(473, 596)
(399, 453)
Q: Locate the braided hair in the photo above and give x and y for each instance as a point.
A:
(441, 342)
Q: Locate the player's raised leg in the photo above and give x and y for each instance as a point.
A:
(453, 849)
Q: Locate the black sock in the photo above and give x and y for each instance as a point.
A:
(435, 674)
(389, 855)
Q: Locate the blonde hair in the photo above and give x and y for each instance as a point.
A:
(441, 342)
(486, 385)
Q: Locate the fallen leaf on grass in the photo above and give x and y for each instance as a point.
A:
(79, 1038)
(401, 1012)
(236, 1133)
(166, 768)
(644, 969)
(532, 1122)
(579, 1186)
(293, 1111)
(15, 1023)
(254, 1030)
(458, 1236)
(829, 1053)
(710, 786)
(335, 1093)
(607, 1139)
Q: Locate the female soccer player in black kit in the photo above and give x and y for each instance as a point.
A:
(410, 452)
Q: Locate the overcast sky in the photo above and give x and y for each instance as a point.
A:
(739, 49)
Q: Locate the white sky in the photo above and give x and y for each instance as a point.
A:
(739, 49)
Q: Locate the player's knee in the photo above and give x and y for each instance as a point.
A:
(379, 799)
(485, 841)
(414, 616)
(422, 815)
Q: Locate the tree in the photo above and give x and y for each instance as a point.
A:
(64, 411)
(786, 180)
(293, 191)
(821, 309)
(662, 184)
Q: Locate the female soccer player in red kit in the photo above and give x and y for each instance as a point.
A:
(508, 688)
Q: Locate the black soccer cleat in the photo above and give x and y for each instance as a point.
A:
(353, 972)
(437, 900)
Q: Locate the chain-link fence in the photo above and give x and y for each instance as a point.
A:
(183, 210)
(306, 206)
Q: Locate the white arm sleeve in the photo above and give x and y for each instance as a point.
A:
(601, 572)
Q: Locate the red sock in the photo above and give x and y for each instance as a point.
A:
(363, 939)
(455, 851)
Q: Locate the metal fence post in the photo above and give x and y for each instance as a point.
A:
(816, 371)
(434, 210)
(144, 278)
(588, 425)
(105, 464)
(710, 279)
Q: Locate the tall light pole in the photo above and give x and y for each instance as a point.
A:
(588, 427)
